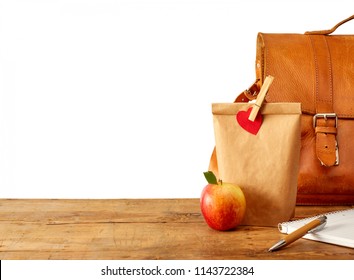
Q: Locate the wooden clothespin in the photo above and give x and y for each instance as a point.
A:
(260, 98)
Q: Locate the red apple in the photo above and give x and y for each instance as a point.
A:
(223, 205)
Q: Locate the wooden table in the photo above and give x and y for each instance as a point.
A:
(169, 229)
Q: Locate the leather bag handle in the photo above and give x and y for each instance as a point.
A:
(329, 31)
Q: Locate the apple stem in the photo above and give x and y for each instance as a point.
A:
(220, 182)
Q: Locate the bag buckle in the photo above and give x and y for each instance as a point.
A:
(326, 116)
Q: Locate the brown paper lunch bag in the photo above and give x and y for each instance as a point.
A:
(264, 165)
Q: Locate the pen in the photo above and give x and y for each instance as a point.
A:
(312, 226)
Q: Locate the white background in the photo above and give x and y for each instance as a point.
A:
(91, 270)
(111, 99)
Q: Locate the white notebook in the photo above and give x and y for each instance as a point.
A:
(338, 230)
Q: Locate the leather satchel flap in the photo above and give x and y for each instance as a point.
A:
(298, 74)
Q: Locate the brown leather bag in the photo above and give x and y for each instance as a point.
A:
(317, 70)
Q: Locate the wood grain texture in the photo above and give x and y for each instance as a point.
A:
(140, 229)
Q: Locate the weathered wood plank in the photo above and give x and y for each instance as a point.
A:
(99, 210)
(139, 229)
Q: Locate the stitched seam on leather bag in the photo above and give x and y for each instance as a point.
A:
(316, 69)
(314, 88)
(329, 61)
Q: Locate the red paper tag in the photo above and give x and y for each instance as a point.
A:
(246, 124)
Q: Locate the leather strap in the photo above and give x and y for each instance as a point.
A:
(329, 31)
(250, 93)
(322, 129)
(324, 122)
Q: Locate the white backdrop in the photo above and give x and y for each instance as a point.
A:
(111, 98)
